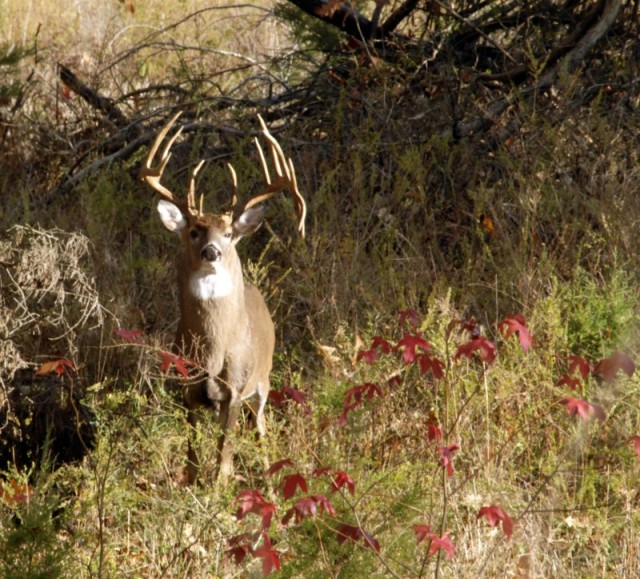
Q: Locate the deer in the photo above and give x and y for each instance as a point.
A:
(225, 327)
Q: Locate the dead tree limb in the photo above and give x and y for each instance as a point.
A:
(572, 59)
(97, 101)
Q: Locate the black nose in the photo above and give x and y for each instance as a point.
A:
(211, 253)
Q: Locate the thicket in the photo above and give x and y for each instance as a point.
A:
(456, 335)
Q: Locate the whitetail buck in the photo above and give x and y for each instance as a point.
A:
(225, 326)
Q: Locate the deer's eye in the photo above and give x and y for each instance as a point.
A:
(194, 234)
(228, 234)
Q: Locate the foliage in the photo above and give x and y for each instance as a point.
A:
(455, 379)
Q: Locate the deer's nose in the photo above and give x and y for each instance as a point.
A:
(211, 253)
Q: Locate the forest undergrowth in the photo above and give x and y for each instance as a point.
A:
(454, 390)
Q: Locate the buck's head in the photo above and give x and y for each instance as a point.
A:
(209, 239)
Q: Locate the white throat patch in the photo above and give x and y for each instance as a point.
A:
(210, 286)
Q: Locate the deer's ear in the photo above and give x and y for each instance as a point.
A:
(248, 221)
(171, 216)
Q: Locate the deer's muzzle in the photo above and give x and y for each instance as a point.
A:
(211, 253)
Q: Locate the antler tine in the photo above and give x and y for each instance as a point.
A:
(234, 186)
(152, 174)
(286, 177)
(191, 198)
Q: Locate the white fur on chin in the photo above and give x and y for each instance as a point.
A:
(210, 286)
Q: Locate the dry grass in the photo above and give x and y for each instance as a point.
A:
(543, 225)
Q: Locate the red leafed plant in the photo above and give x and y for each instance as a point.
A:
(579, 365)
(484, 348)
(131, 336)
(609, 367)
(446, 457)
(252, 501)
(290, 483)
(434, 432)
(181, 364)
(516, 325)
(570, 381)
(354, 396)
(424, 533)
(582, 408)
(409, 315)
(635, 439)
(60, 367)
(494, 514)
(270, 557)
(278, 466)
(242, 545)
(308, 507)
(378, 345)
(429, 363)
(14, 493)
(288, 393)
(340, 479)
(409, 343)
(355, 534)
(443, 543)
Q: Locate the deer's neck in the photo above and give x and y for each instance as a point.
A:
(212, 308)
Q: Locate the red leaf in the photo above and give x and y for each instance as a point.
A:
(321, 471)
(252, 501)
(485, 349)
(308, 507)
(569, 381)
(132, 336)
(291, 482)
(636, 444)
(516, 324)
(339, 479)
(270, 557)
(422, 532)
(429, 362)
(353, 398)
(279, 397)
(443, 543)
(370, 541)
(583, 408)
(305, 507)
(356, 533)
(471, 326)
(580, 364)
(59, 366)
(240, 547)
(378, 345)
(409, 343)
(355, 393)
(369, 356)
(348, 532)
(434, 432)
(495, 514)
(609, 367)
(410, 315)
(324, 504)
(446, 457)
(14, 493)
(181, 365)
(277, 466)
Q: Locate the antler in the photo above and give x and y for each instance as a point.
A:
(285, 177)
(152, 174)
